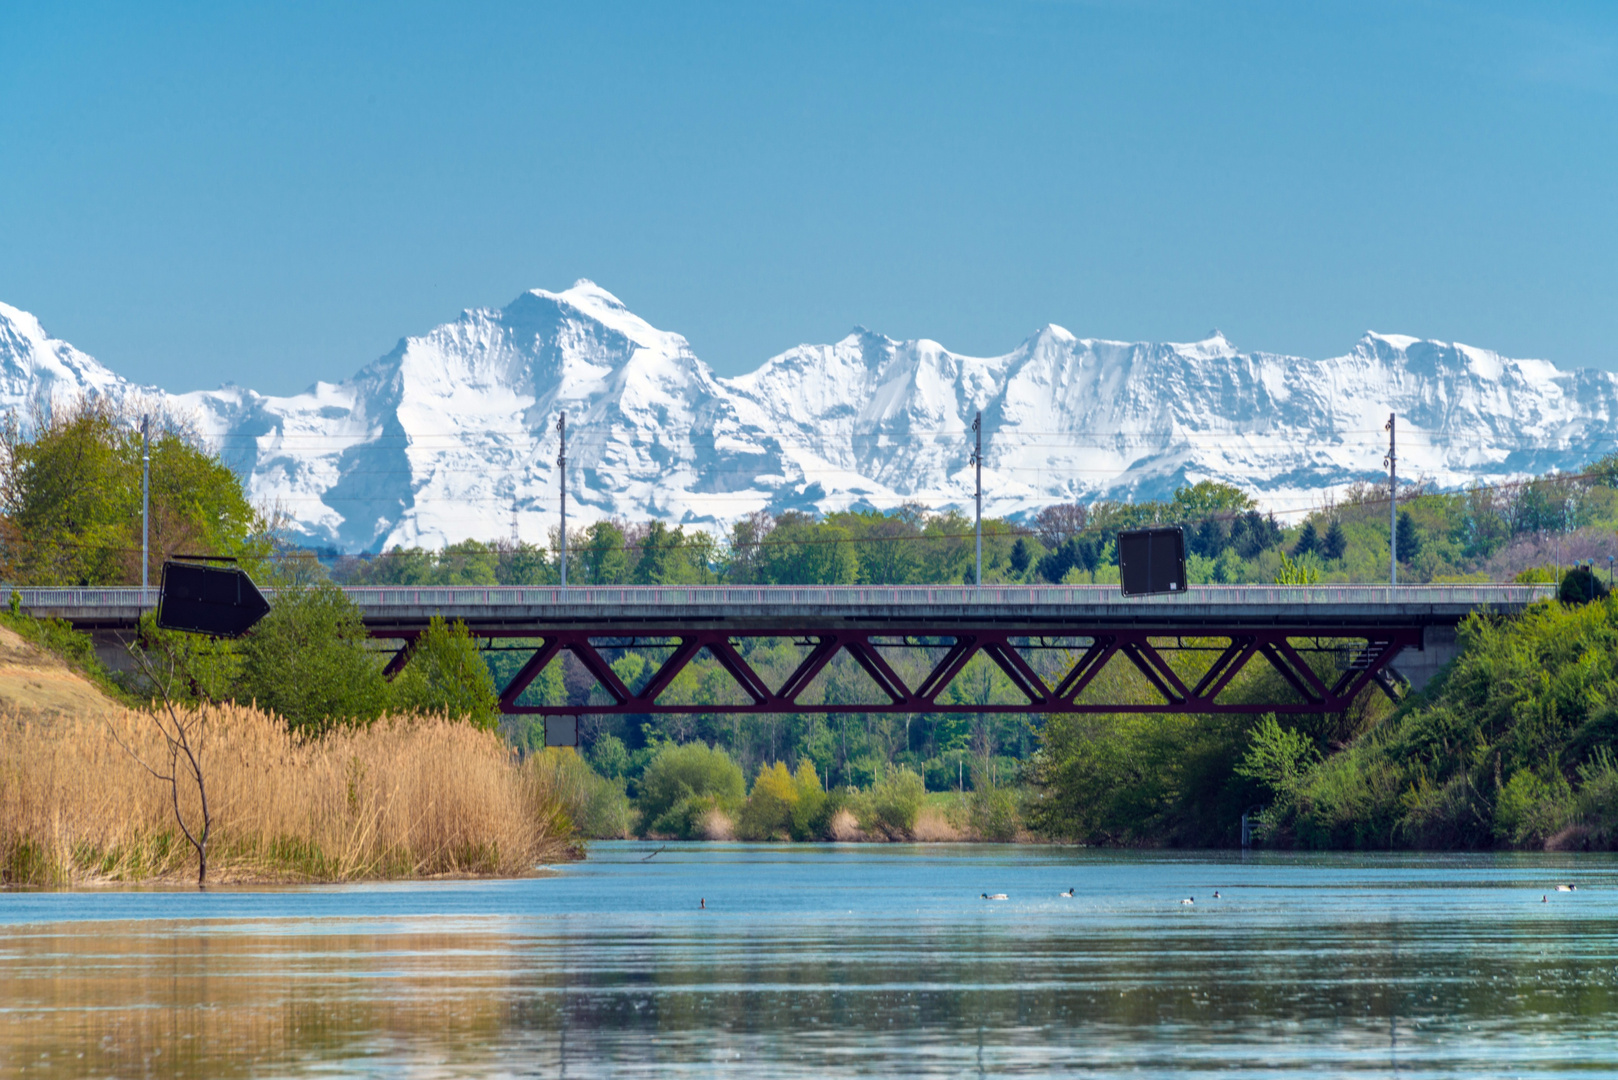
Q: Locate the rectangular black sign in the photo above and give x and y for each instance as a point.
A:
(1152, 561)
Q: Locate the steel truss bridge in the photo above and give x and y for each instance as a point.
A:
(1052, 643)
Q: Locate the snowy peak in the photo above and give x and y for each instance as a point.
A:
(36, 368)
(452, 434)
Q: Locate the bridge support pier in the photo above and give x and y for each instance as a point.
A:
(1439, 645)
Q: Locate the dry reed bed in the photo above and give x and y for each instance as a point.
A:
(404, 797)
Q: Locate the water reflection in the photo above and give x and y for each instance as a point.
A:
(835, 960)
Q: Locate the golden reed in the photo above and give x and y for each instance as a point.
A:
(404, 797)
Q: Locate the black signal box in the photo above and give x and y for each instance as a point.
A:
(1152, 561)
(220, 601)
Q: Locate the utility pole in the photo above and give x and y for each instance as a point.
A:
(1392, 463)
(977, 463)
(145, 506)
(561, 463)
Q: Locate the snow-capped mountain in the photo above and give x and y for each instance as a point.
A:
(453, 432)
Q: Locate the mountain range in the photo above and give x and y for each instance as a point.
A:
(452, 434)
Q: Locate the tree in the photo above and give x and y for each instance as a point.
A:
(1335, 544)
(183, 734)
(72, 505)
(1021, 555)
(802, 551)
(604, 559)
(308, 661)
(683, 783)
(1207, 499)
(1308, 540)
(1054, 525)
(1409, 538)
(446, 674)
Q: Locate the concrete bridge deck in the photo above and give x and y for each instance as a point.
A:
(523, 610)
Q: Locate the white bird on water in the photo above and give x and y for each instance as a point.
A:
(1068, 894)
(1189, 900)
(1566, 888)
(996, 896)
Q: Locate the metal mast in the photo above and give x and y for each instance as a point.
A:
(1392, 463)
(977, 463)
(145, 506)
(561, 463)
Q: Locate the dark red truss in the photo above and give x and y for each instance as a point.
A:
(1372, 649)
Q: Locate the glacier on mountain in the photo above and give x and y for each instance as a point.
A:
(452, 435)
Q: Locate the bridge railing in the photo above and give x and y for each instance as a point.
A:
(987, 596)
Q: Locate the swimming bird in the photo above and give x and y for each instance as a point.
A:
(1189, 900)
(1068, 894)
(1544, 899)
(1216, 894)
(1566, 888)
(996, 896)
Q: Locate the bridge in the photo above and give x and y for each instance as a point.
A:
(1051, 644)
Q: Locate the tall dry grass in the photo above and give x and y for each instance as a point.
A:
(404, 797)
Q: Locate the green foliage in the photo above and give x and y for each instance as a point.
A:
(71, 496)
(610, 757)
(684, 783)
(784, 805)
(596, 805)
(308, 661)
(993, 815)
(891, 804)
(1304, 571)
(446, 674)
(1278, 757)
(183, 667)
(1512, 745)
(1580, 585)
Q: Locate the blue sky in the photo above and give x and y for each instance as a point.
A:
(274, 193)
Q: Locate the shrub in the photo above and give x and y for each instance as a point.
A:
(993, 813)
(784, 805)
(891, 804)
(683, 784)
(596, 805)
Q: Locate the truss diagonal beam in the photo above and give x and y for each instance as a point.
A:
(1283, 649)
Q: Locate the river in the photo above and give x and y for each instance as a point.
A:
(816, 960)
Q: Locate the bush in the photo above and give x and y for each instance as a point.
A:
(891, 804)
(993, 814)
(596, 806)
(683, 784)
(784, 805)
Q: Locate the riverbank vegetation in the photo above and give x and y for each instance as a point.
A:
(401, 797)
(69, 515)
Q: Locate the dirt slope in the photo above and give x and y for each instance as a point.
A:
(35, 684)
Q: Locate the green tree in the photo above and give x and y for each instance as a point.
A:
(802, 551)
(308, 661)
(72, 505)
(1334, 544)
(602, 554)
(446, 674)
(684, 783)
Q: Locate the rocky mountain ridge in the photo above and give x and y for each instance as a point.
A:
(452, 434)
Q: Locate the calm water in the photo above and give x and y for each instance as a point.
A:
(836, 960)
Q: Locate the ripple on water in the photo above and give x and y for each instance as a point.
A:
(817, 960)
